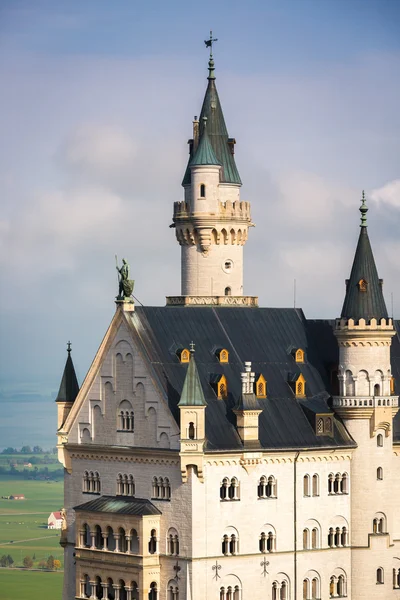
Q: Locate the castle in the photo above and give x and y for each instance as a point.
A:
(218, 450)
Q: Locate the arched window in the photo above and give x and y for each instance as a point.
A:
(161, 488)
(173, 542)
(153, 542)
(267, 541)
(377, 389)
(299, 355)
(153, 591)
(172, 591)
(230, 542)
(344, 487)
(98, 538)
(110, 539)
(122, 591)
(299, 388)
(380, 575)
(396, 578)
(379, 473)
(306, 539)
(320, 426)
(379, 440)
(314, 539)
(234, 489)
(228, 291)
(315, 485)
(202, 190)
(121, 539)
(85, 482)
(306, 486)
(191, 431)
(379, 523)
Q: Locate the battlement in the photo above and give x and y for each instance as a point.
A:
(227, 211)
(363, 325)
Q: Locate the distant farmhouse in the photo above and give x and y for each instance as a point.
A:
(17, 497)
(54, 521)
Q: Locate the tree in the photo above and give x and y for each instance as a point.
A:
(50, 562)
(34, 556)
(26, 450)
(9, 451)
(57, 564)
(28, 562)
(3, 561)
(42, 564)
(37, 450)
(10, 560)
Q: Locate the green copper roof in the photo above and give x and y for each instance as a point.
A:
(69, 387)
(192, 392)
(204, 154)
(364, 295)
(218, 136)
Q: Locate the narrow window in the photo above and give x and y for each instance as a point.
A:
(306, 485)
(379, 575)
(377, 389)
(228, 291)
(315, 484)
(202, 191)
(379, 440)
(379, 473)
(191, 431)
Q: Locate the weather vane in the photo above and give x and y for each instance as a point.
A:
(209, 43)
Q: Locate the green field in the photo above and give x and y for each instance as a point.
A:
(17, 584)
(23, 532)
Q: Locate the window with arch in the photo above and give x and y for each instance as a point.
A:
(267, 540)
(379, 440)
(229, 489)
(299, 355)
(153, 591)
(126, 418)
(380, 575)
(230, 544)
(338, 537)
(315, 485)
(267, 487)
(311, 586)
(222, 387)
(379, 523)
(338, 483)
(306, 486)
(125, 485)
(161, 488)
(223, 356)
(229, 592)
(338, 585)
(306, 539)
(228, 291)
(261, 386)
(280, 590)
(183, 355)
(172, 590)
(379, 473)
(311, 535)
(202, 190)
(86, 588)
(300, 387)
(153, 542)
(396, 578)
(172, 542)
(91, 482)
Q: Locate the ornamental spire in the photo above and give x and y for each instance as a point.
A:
(363, 210)
(209, 44)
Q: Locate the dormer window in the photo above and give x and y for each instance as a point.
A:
(324, 424)
(363, 285)
(299, 355)
(222, 387)
(261, 386)
(223, 356)
(183, 355)
(298, 384)
(202, 190)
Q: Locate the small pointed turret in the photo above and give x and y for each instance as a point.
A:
(68, 391)
(192, 407)
(69, 387)
(204, 154)
(364, 296)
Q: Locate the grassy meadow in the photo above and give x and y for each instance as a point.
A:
(23, 532)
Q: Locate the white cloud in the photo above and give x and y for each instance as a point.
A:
(388, 194)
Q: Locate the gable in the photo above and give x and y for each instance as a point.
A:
(119, 403)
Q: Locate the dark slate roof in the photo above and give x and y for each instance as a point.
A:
(218, 136)
(370, 304)
(69, 387)
(121, 505)
(204, 154)
(260, 335)
(192, 392)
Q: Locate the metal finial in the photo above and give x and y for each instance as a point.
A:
(192, 347)
(68, 347)
(363, 210)
(209, 44)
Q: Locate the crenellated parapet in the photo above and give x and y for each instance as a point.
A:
(363, 325)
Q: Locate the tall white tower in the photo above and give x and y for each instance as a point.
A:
(211, 223)
(367, 406)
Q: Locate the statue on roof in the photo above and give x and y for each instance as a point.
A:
(125, 284)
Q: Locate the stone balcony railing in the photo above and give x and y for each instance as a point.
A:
(117, 558)
(226, 211)
(365, 401)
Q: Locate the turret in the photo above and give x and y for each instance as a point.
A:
(68, 391)
(192, 407)
(364, 333)
(211, 223)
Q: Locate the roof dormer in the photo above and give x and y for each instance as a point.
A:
(222, 355)
(298, 384)
(260, 386)
(183, 354)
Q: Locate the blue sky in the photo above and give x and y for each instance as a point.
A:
(95, 112)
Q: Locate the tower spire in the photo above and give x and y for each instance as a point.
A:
(209, 44)
(363, 210)
(69, 387)
(364, 296)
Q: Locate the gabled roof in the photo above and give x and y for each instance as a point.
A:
(121, 505)
(204, 154)
(218, 134)
(69, 387)
(367, 303)
(192, 392)
(259, 335)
